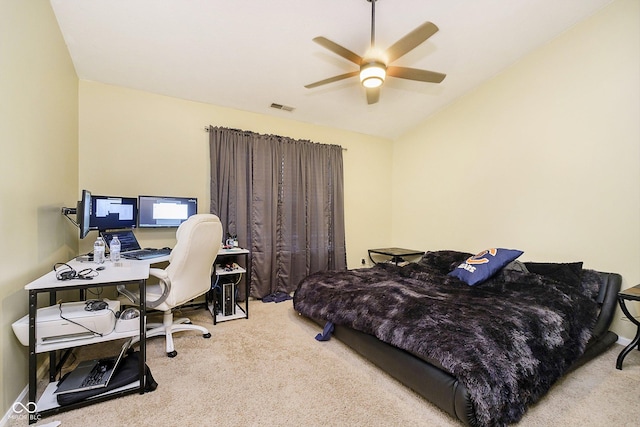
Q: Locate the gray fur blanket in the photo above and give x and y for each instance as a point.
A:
(507, 340)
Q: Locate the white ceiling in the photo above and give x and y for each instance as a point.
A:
(247, 54)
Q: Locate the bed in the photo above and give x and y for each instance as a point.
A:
(482, 353)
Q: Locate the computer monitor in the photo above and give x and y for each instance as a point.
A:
(113, 212)
(164, 211)
(83, 213)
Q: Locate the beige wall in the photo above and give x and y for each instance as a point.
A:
(39, 173)
(545, 157)
(157, 145)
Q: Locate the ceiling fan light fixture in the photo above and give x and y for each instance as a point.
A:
(372, 74)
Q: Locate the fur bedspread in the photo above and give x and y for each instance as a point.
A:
(507, 340)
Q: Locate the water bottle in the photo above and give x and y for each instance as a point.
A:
(114, 250)
(98, 250)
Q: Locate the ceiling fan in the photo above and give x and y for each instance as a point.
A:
(374, 66)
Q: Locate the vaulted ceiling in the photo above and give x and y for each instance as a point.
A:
(248, 54)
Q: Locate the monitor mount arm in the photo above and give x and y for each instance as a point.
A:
(70, 211)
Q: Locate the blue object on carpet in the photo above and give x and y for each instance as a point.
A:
(277, 297)
(282, 296)
(326, 332)
(269, 298)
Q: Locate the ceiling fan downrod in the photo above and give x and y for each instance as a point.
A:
(373, 22)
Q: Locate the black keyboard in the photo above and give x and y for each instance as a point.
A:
(97, 374)
(147, 253)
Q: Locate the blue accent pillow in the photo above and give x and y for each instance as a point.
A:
(480, 267)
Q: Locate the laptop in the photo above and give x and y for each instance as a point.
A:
(129, 246)
(92, 374)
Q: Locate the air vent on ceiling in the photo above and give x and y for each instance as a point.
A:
(282, 107)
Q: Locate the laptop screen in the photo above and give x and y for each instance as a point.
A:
(128, 241)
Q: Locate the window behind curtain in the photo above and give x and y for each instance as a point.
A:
(284, 199)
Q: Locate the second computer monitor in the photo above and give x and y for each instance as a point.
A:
(113, 212)
(163, 211)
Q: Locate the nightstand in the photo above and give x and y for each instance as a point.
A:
(396, 255)
(631, 294)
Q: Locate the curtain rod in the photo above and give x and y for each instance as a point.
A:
(208, 129)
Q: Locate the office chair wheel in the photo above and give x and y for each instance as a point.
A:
(206, 335)
(172, 353)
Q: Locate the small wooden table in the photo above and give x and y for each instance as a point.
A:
(396, 254)
(631, 294)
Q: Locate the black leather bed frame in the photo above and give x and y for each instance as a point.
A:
(444, 390)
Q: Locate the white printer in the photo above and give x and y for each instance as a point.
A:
(69, 321)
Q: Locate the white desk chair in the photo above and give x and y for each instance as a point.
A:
(187, 277)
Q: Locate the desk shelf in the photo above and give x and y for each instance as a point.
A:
(129, 272)
(230, 277)
(63, 345)
(239, 314)
(221, 271)
(49, 403)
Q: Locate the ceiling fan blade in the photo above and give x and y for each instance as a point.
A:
(414, 74)
(411, 40)
(332, 79)
(338, 50)
(373, 95)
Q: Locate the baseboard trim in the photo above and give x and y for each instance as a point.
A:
(623, 341)
(43, 371)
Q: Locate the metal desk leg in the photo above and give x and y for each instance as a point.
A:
(143, 334)
(33, 383)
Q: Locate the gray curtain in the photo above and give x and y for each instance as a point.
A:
(284, 200)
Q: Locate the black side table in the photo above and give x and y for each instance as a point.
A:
(631, 294)
(396, 254)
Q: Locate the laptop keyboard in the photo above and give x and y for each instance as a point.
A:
(97, 374)
(147, 253)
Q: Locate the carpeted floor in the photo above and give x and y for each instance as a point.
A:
(269, 370)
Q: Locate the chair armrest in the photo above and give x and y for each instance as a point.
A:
(133, 297)
(165, 284)
(160, 273)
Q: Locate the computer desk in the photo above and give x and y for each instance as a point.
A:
(130, 271)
